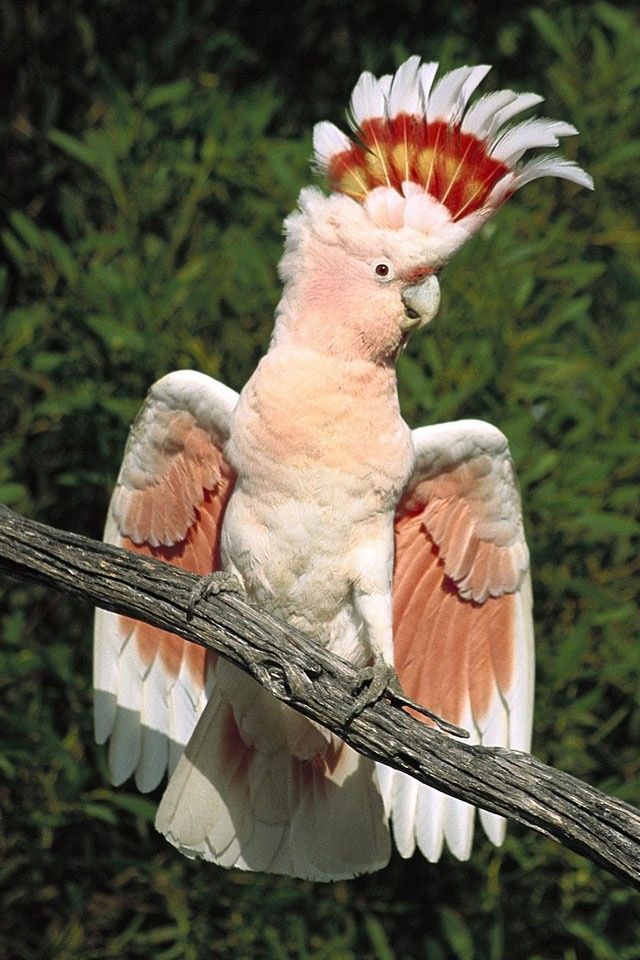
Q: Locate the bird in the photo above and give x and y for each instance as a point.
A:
(389, 546)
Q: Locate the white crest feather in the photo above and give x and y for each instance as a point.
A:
(405, 95)
(536, 132)
(367, 100)
(474, 79)
(328, 141)
(480, 117)
(445, 97)
(519, 103)
(385, 84)
(551, 165)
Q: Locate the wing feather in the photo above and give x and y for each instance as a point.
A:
(463, 630)
(173, 486)
(429, 825)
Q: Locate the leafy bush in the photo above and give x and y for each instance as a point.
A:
(171, 208)
(154, 246)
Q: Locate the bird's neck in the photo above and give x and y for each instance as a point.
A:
(304, 406)
(317, 327)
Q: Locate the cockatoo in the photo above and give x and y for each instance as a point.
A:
(386, 545)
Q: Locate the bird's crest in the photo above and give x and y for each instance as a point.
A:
(419, 137)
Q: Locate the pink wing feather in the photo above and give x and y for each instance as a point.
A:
(463, 634)
(150, 685)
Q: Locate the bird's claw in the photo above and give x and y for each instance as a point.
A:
(371, 685)
(296, 679)
(398, 696)
(210, 585)
(381, 680)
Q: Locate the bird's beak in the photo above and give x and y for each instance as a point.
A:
(421, 302)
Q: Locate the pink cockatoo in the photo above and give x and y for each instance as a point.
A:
(384, 544)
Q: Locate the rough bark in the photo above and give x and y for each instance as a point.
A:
(320, 685)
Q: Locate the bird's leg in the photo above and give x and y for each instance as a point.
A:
(371, 600)
(213, 583)
(380, 680)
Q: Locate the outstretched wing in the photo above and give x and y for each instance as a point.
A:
(150, 685)
(463, 628)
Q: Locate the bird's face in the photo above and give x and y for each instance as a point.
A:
(360, 304)
(367, 304)
(388, 300)
(417, 288)
(355, 289)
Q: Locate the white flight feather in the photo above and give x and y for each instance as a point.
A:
(154, 743)
(181, 721)
(430, 808)
(106, 648)
(459, 815)
(519, 697)
(405, 799)
(124, 745)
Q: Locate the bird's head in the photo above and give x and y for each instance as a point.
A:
(424, 174)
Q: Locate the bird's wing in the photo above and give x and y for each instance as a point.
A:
(463, 628)
(150, 685)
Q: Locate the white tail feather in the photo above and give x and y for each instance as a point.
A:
(264, 809)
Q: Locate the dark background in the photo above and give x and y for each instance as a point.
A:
(149, 156)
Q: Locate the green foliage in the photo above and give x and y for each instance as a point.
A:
(143, 237)
(171, 216)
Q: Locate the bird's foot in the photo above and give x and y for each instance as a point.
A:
(293, 677)
(382, 681)
(210, 585)
(371, 685)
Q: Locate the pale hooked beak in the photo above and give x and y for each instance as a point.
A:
(421, 302)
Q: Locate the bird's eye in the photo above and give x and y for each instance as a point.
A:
(382, 270)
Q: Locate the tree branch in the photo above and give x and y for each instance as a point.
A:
(318, 684)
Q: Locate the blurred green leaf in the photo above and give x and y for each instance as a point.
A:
(456, 934)
(381, 948)
(72, 146)
(167, 93)
(27, 230)
(11, 493)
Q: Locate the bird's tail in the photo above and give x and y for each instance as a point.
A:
(261, 788)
